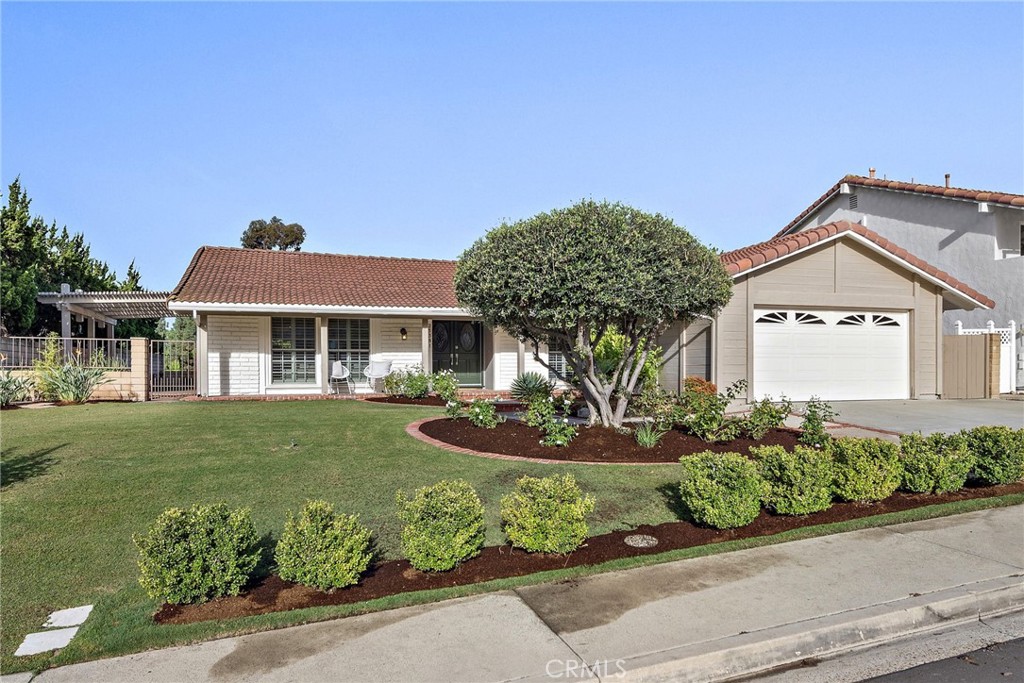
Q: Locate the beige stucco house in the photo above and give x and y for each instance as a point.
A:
(837, 312)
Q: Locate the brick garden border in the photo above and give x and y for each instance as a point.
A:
(413, 430)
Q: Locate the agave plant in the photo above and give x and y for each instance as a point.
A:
(13, 388)
(530, 386)
(74, 382)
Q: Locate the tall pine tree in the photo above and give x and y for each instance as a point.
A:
(37, 257)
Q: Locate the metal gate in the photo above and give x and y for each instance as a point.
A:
(172, 368)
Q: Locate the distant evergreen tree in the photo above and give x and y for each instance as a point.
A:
(37, 257)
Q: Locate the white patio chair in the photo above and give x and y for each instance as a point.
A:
(377, 369)
(339, 374)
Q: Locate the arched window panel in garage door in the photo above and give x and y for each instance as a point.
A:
(846, 356)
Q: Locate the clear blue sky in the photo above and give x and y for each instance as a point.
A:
(410, 129)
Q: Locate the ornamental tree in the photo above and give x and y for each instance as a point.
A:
(568, 278)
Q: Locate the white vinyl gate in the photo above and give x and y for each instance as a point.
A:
(834, 355)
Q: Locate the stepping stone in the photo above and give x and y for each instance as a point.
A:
(44, 641)
(75, 616)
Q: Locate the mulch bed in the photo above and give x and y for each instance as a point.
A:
(592, 444)
(503, 406)
(272, 594)
(405, 400)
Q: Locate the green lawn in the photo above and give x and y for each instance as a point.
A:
(79, 481)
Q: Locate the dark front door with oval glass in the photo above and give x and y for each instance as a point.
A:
(458, 345)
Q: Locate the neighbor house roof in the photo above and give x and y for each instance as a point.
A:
(1000, 198)
(224, 275)
(741, 260)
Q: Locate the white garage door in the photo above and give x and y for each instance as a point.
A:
(834, 355)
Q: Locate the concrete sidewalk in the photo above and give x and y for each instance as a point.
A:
(702, 619)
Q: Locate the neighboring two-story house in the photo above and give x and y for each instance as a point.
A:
(976, 236)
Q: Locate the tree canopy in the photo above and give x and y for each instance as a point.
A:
(275, 234)
(568, 278)
(36, 257)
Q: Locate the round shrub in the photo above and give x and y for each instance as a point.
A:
(721, 490)
(866, 469)
(321, 549)
(546, 515)
(937, 463)
(444, 525)
(999, 452)
(796, 483)
(198, 554)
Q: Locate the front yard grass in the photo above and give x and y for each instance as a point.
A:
(78, 481)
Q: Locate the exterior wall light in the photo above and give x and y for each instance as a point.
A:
(404, 332)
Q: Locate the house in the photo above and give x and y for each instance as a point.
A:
(837, 311)
(975, 235)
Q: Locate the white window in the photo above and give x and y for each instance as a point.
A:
(557, 367)
(349, 342)
(293, 350)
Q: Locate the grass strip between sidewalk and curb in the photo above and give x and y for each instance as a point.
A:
(123, 623)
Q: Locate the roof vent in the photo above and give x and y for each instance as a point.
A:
(871, 173)
(853, 201)
(947, 180)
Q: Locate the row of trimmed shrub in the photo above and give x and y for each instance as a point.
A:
(726, 490)
(210, 551)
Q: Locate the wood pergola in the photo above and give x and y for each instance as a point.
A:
(104, 309)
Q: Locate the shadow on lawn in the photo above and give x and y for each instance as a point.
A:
(674, 501)
(17, 467)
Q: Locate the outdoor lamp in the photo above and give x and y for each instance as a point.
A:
(404, 333)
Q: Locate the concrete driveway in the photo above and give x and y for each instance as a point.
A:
(930, 416)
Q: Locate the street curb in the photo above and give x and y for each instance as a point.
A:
(746, 654)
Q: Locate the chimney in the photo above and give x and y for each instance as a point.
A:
(871, 173)
(947, 180)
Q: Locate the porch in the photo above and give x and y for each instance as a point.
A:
(290, 355)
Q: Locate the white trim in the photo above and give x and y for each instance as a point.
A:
(316, 309)
(879, 250)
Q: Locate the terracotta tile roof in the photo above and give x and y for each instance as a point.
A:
(256, 276)
(1001, 198)
(744, 259)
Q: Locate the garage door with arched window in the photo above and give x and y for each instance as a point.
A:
(834, 355)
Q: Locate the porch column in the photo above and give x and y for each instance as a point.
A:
(65, 319)
(520, 358)
(202, 357)
(90, 332)
(110, 330)
(325, 356)
(425, 359)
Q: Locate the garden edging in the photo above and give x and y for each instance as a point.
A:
(413, 430)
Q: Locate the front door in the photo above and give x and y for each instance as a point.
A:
(458, 346)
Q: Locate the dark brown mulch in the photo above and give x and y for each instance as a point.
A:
(593, 444)
(273, 594)
(405, 400)
(502, 406)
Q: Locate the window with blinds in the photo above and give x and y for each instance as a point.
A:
(293, 350)
(349, 342)
(557, 367)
